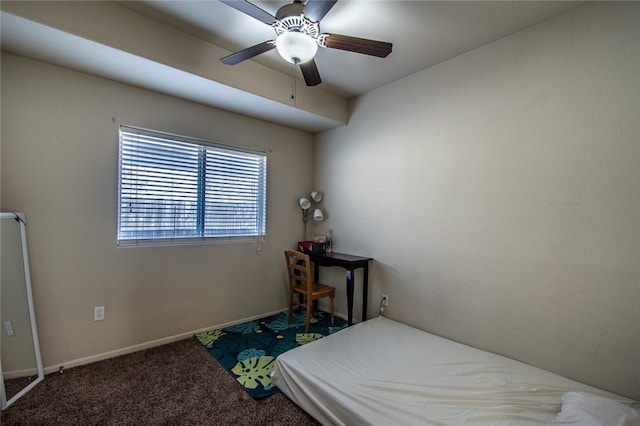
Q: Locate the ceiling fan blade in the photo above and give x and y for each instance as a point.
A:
(310, 73)
(251, 10)
(248, 53)
(380, 49)
(315, 10)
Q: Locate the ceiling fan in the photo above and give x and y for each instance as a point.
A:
(297, 27)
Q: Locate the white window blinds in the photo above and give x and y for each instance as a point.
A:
(174, 189)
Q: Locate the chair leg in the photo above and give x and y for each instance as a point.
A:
(333, 296)
(309, 313)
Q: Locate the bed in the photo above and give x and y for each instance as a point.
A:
(382, 372)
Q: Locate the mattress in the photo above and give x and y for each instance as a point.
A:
(382, 372)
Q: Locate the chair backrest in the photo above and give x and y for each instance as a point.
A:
(299, 269)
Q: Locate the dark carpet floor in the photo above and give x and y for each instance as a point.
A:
(175, 384)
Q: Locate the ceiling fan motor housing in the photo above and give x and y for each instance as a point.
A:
(293, 9)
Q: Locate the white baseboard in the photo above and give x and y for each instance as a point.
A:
(147, 345)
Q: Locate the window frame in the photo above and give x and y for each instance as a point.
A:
(210, 147)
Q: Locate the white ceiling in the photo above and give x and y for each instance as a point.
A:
(423, 34)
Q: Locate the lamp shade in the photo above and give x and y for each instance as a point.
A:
(296, 47)
(317, 196)
(304, 203)
(317, 215)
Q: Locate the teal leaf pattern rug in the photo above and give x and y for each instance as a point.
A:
(248, 351)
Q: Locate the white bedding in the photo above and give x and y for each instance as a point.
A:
(382, 372)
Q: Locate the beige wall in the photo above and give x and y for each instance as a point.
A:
(59, 165)
(499, 193)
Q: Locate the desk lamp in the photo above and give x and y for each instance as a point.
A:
(305, 205)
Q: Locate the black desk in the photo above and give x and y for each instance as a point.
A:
(350, 263)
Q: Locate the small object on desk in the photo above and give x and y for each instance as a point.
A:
(319, 238)
(309, 247)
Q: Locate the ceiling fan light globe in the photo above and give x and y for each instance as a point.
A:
(296, 47)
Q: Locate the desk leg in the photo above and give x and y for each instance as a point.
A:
(365, 285)
(350, 297)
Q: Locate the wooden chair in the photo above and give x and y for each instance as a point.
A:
(301, 282)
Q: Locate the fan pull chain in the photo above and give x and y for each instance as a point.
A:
(294, 87)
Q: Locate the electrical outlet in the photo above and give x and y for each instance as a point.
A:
(385, 300)
(98, 313)
(9, 328)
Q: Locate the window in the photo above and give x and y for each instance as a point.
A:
(175, 190)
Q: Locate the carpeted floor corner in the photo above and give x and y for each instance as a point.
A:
(173, 384)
